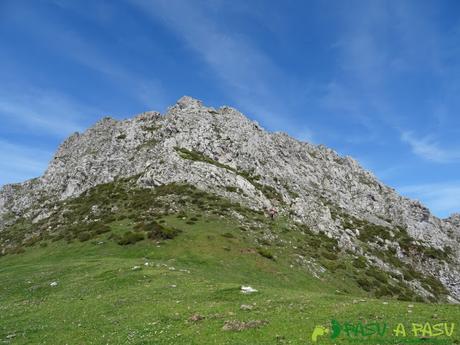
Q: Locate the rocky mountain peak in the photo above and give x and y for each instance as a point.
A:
(223, 152)
(187, 102)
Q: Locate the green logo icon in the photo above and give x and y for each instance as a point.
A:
(318, 331)
(336, 329)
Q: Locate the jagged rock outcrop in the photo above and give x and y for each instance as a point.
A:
(214, 149)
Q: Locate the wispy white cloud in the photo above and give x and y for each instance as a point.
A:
(248, 75)
(148, 91)
(441, 198)
(336, 97)
(71, 43)
(42, 110)
(358, 91)
(18, 163)
(427, 148)
(28, 112)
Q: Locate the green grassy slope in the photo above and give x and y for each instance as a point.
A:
(106, 294)
(165, 266)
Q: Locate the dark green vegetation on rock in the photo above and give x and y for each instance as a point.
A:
(267, 190)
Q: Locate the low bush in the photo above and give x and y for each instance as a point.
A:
(101, 229)
(370, 232)
(158, 231)
(32, 241)
(329, 265)
(406, 295)
(16, 250)
(265, 253)
(360, 262)
(383, 291)
(365, 284)
(130, 237)
(341, 266)
(231, 189)
(329, 255)
(434, 285)
(84, 236)
(378, 275)
(228, 235)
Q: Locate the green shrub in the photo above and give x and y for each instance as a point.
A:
(394, 261)
(360, 262)
(329, 255)
(228, 235)
(314, 242)
(395, 290)
(130, 237)
(16, 250)
(329, 265)
(57, 237)
(435, 253)
(265, 242)
(199, 157)
(101, 229)
(383, 291)
(265, 253)
(84, 236)
(434, 285)
(32, 241)
(370, 232)
(378, 275)
(341, 266)
(364, 283)
(158, 231)
(329, 244)
(410, 274)
(406, 296)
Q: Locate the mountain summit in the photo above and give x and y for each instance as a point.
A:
(221, 152)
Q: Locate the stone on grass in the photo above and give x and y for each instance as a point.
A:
(235, 325)
(247, 289)
(246, 307)
(196, 318)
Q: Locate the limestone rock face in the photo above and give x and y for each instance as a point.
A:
(214, 149)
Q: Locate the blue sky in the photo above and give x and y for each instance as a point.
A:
(377, 80)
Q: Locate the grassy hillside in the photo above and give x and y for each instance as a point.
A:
(166, 267)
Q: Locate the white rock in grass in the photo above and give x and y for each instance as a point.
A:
(53, 284)
(247, 289)
(246, 307)
(136, 268)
